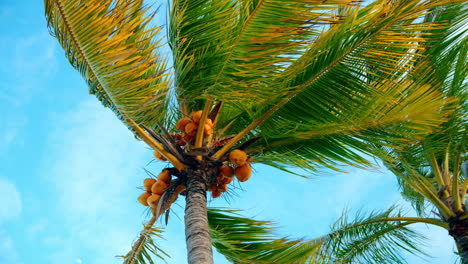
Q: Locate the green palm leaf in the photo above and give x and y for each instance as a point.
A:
(236, 45)
(447, 73)
(113, 47)
(375, 238)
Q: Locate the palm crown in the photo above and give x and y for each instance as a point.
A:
(302, 83)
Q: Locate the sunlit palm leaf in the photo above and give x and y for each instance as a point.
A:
(221, 46)
(113, 47)
(447, 72)
(340, 95)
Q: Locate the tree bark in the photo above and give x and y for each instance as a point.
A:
(197, 233)
(459, 232)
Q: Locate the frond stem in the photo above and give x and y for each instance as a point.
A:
(455, 186)
(437, 172)
(156, 146)
(246, 130)
(435, 199)
(201, 126)
(140, 242)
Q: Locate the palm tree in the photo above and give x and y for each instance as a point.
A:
(302, 83)
(429, 170)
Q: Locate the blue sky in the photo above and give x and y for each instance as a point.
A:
(70, 170)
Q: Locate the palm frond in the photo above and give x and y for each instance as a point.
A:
(346, 89)
(220, 46)
(113, 46)
(145, 248)
(376, 238)
(446, 57)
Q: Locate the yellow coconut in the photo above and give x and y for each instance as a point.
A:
(191, 129)
(207, 130)
(196, 116)
(147, 183)
(153, 200)
(143, 198)
(159, 187)
(209, 122)
(182, 123)
(165, 176)
(237, 157)
(243, 172)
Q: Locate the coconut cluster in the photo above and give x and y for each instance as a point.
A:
(189, 126)
(242, 170)
(155, 188)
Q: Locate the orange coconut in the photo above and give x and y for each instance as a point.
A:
(153, 200)
(212, 187)
(222, 187)
(224, 180)
(191, 129)
(209, 122)
(237, 157)
(143, 198)
(227, 171)
(196, 116)
(243, 172)
(159, 187)
(182, 123)
(207, 130)
(188, 138)
(147, 183)
(215, 193)
(158, 156)
(165, 176)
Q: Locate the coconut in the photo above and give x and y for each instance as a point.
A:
(159, 187)
(188, 138)
(191, 129)
(207, 130)
(182, 123)
(243, 172)
(165, 176)
(222, 187)
(196, 116)
(212, 187)
(224, 180)
(237, 157)
(158, 156)
(215, 193)
(143, 198)
(227, 171)
(147, 183)
(209, 122)
(153, 200)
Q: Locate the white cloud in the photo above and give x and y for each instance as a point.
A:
(10, 202)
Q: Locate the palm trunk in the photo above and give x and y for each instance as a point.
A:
(459, 232)
(197, 233)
